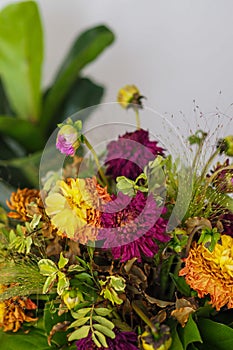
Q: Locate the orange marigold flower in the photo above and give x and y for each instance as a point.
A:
(211, 273)
(20, 203)
(16, 311)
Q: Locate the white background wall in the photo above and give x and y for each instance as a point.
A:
(174, 50)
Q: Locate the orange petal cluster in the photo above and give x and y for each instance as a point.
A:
(16, 311)
(211, 273)
(20, 201)
(99, 196)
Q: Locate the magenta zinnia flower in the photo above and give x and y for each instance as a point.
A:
(130, 154)
(123, 341)
(131, 227)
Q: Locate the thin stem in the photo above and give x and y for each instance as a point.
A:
(89, 146)
(145, 319)
(137, 119)
(209, 163)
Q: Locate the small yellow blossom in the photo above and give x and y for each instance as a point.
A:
(129, 95)
(211, 273)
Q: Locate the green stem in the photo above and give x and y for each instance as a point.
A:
(209, 162)
(137, 119)
(145, 319)
(176, 271)
(89, 146)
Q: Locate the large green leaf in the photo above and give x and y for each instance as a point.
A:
(35, 339)
(21, 55)
(84, 93)
(84, 50)
(5, 193)
(4, 102)
(27, 166)
(216, 335)
(190, 333)
(22, 131)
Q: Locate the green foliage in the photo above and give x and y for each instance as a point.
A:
(35, 339)
(49, 268)
(21, 55)
(216, 335)
(182, 338)
(92, 320)
(111, 286)
(27, 113)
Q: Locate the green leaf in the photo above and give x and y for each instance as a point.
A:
(81, 312)
(21, 55)
(49, 283)
(63, 283)
(105, 330)
(82, 94)
(25, 133)
(79, 333)
(62, 261)
(218, 336)
(5, 193)
(27, 165)
(181, 284)
(176, 342)
(84, 50)
(104, 321)
(35, 339)
(102, 311)
(79, 322)
(189, 333)
(101, 338)
(47, 267)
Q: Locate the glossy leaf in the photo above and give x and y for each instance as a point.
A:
(189, 333)
(25, 133)
(26, 166)
(62, 261)
(35, 339)
(63, 283)
(47, 267)
(21, 55)
(83, 93)
(5, 193)
(85, 49)
(176, 342)
(215, 334)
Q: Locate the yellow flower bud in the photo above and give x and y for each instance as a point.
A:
(226, 145)
(164, 341)
(129, 96)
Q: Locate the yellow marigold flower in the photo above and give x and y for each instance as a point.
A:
(74, 208)
(129, 95)
(211, 273)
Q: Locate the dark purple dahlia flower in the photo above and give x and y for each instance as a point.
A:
(123, 341)
(131, 226)
(130, 154)
(227, 221)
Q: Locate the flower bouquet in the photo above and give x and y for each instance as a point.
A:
(126, 248)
